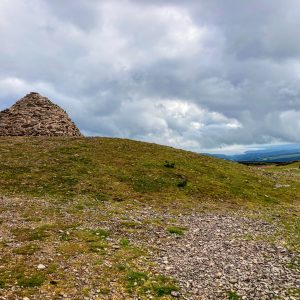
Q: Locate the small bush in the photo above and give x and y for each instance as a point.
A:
(182, 182)
(169, 164)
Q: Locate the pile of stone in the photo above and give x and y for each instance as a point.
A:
(35, 115)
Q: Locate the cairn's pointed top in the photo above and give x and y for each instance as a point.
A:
(35, 115)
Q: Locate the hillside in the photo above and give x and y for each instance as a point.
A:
(105, 218)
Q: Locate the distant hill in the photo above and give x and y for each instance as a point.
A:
(285, 153)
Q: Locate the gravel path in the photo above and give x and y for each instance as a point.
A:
(220, 254)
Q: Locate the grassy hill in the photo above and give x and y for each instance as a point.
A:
(115, 169)
(59, 194)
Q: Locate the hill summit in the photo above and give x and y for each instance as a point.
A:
(35, 115)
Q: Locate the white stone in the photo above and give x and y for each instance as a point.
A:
(41, 267)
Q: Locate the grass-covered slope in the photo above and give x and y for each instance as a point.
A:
(89, 218)
(116, 169)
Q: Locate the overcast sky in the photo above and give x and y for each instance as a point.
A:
(202, 75)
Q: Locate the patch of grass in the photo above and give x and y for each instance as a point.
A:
(72, 248)
(129, 253)
(130, 224)
(135, 278)
(52, 268)
(98, 246)
(145, 183)
(91, 235)
(31, 281)
(101, 197)
(28, 234)
(295, 264)
(233, 296)
(121, 267)
(124, 242)
(32, 218)
(28, 249)
(295, 292)
(176, 230)
(104, 291)
(158, 286)
(163, 286)
(65, 236)
(2, 284)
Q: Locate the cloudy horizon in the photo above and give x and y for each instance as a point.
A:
(206, 75)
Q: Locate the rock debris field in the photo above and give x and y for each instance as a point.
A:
(214, 256)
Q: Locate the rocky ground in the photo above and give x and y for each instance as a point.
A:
(221, 254)
(215, 256)
(210, 255)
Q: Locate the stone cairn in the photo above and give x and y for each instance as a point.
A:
(35, 115)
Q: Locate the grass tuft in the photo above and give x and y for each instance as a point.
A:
(176, 230)
(26, 249)
(233, 296)
(31, 281)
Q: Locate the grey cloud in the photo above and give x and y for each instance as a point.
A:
(193, 74)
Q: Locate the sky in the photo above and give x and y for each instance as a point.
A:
(202, 75)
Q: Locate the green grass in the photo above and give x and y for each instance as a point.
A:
(176, 230)
(28, 234)
(124, 242)
(163, 286)
(91, 235)
(31, 281)
(2, 284)
(66, 191)
(158, 286)
(135, 278)
(233, 296)
(28, 249)
(105, 169)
